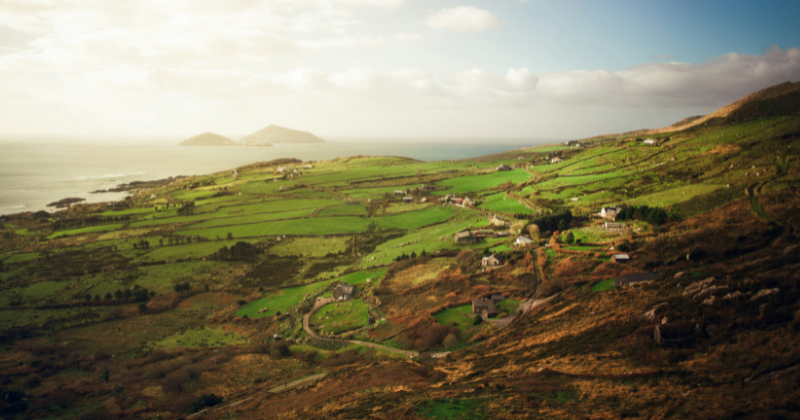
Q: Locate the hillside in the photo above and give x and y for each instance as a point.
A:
(208, 139)
(279, 135)
(229, 293)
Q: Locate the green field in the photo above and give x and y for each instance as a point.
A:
(341, 316)
(482, 182)
(81, 231)
(604, 285)
(501, 203)
(202, 337)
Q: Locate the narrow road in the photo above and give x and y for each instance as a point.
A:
(298, 382)
(311, 333)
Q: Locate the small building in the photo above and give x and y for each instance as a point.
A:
(609, 212)
(153, 196)
(613, 225)
(344, 291)
(424, 200)
(651, 141)
(484, 308)
(467, 202)
(492, 261)
(620, 258)
(465, 237)
(408, 199)
(399, 192)
(556, 160)
(496, 220)
(456, 200)
(282, 188)
(524, 240)
(628, 280)
(308, 166)
(573, 199)
(277, 337)
(503, 167)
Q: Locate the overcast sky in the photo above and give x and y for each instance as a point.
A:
(499, 68)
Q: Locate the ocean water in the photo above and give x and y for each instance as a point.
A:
(34, 173)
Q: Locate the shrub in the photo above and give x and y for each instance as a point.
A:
(570, 238)
(450, 341)
(310, 356)
(477, 320)
(203, 401)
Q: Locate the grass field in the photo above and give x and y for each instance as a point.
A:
(201, 337)
(482, 182)
(287, 298)
(501, 203)
(81, 231)
(338, 317)
(455, 317)
(603, 286)
(453, 409)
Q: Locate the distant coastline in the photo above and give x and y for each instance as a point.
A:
(34, 173)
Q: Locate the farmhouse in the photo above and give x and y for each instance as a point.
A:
(609, 212)
(399, 192)
(408, 199)
(465, 237)
(496, 220)
(467, 202)
(620, 258)
(153, 196)
(524, 240)
(650, 141)
(628, 280)
(484, 307)
(424, 200)
(492, 261)
(308, 166)
(503, 167)
(556, 160)
(344, 291)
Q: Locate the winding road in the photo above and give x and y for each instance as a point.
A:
(307, 328)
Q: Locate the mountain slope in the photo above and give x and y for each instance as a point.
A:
(275, 135)
(208, 139)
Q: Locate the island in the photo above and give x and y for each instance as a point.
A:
(208, 139)
(275, 134)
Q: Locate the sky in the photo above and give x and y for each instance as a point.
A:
(382, 68)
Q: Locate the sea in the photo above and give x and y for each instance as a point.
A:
(34, 173)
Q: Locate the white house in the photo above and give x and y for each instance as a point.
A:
(650, 141)
(556, 160)
(609, 212)
(524, 240)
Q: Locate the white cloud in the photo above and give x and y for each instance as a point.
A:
(463, 18)
(403, 37)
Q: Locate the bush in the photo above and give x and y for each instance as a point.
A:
(142, 307)
(477, 320)
(450, 341)
(33, 380)
(203, 401)
(310, 356)
(570, 238)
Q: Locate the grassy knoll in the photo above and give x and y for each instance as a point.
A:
(338, 317)
(199, 337)
(456, 317)
(415, 219)
(475, 183)
(81, 231)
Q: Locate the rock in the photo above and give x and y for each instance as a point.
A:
(764, 292)
(697, 286)
(678, 275)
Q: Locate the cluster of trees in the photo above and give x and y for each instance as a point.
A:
(413, 255)
(88, 221)
(424, 336)
(182, 287)
(187, 209)
(71, 321)
(239, 251)
(558, 220)
(138, 294)
(141, 244)
(652, 215)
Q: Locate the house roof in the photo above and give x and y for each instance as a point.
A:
(524, 239)
(346, 288)
(638, 277)
(496, 257)
(622, 256)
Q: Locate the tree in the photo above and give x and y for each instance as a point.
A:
(229, 236)
(118, 294)
(570, 238)
(477, 320)
(96, 297)
(450, 341)
(562, 224)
